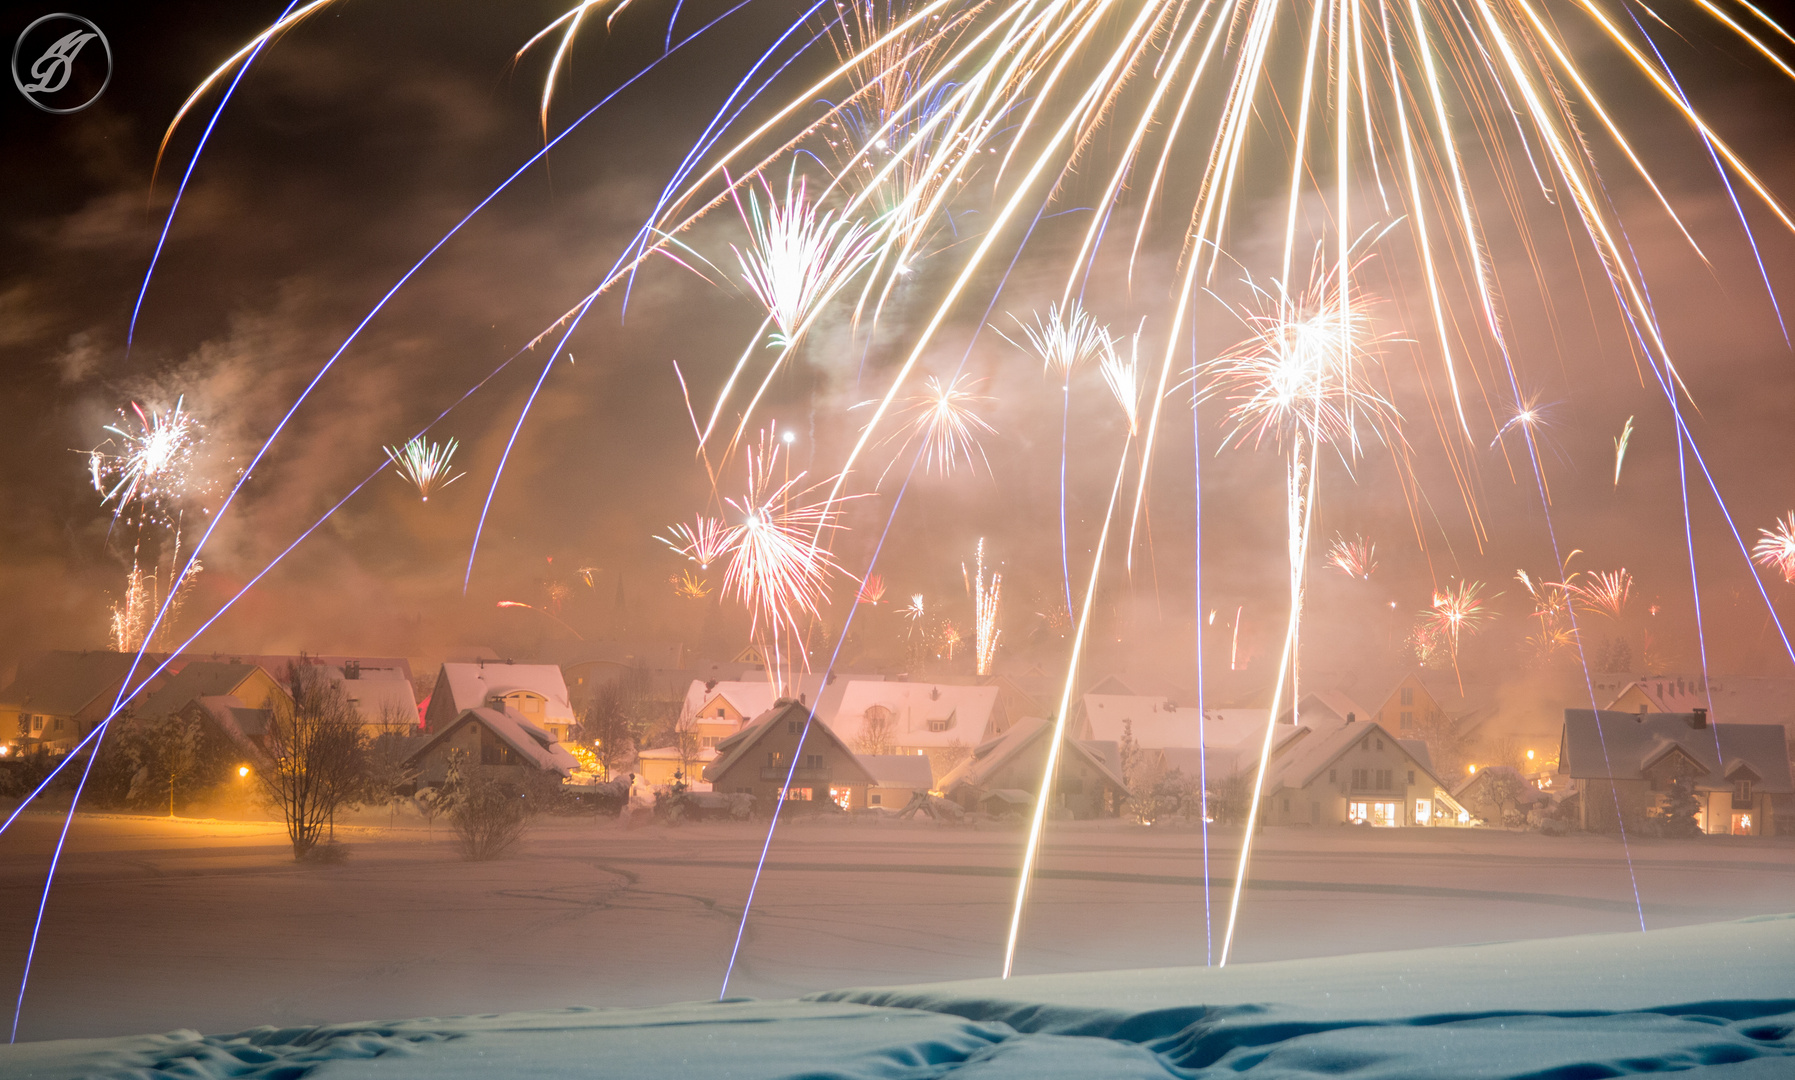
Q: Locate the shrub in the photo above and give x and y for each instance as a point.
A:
(487, 819)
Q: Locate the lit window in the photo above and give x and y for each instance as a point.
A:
(842, 797)
(1355, 811)
(797, 794)
(1385, 814)
(1420, 811)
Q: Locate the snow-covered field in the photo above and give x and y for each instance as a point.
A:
(209, 925)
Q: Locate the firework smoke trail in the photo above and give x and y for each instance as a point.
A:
(705, 541)
(424, 465)
(984, 601)
(1776, 547)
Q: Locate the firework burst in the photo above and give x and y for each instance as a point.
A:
(985, 597)
(1356, 558)
(689, 586)
(1065, 339)
(1456, 613)
(425, 465)
(1606, 592)
(153, 468)
(705, 541)
(942, 419)
(797, 259)
(872, 590)
(1776, 547)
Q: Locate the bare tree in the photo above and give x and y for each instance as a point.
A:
(384, 767)
(487, 818)
(315, 749)
(1447, 744)
(607, 722)
(876, 731)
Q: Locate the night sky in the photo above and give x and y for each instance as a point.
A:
(358, 139)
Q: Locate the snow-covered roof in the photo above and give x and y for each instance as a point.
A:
(704, 755)
(1326, 706)
(1323, 744)
(533, 743)
(477, 685)
(378, 695)
(240, 723)
(1625, 744)
(1731, 699)
(748, 698)
(737, 746)
(993, 754)
(62, 683)
(1159, 723)
(898, 770)
(910, 706)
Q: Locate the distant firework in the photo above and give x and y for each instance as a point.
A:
(705, 541)
(985, 597)
(1457, 611)
(1606, 591)
(1620, 448)
(425, 465)
(1065, 339)
(943, 419)
(1777, 547)
(1356, 558)
(689, 586)
(872, 590)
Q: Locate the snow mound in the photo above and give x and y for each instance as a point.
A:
(1713, 1002)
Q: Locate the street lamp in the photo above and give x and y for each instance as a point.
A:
(242, 770)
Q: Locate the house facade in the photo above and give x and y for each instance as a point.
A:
(758, 759)
(1355, 772)
(500, 744)
(896, 779)
(536, 692)
(58, 698)
(1624, 763)
(939, 721)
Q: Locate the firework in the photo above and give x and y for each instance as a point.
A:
(942, 419)
(154, 467)
(1356, 558)
(1606, 592)
(916, 612)
(1123, 377)
(778, 567)
(134, 612)
(706, 540)
(689, 586)
(1554, 631)
(1620, 448)
(797, 259)
(424, 465)
(1776, 547)
(872, 590)
(542, 611)
(984, 604)
(1456, 612)
(1065, 339)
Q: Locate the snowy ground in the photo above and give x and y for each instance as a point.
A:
(209, 925)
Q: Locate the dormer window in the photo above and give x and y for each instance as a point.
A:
(1742, 790)
(941, 723)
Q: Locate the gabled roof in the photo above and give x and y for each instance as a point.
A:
(899, 770)
(991, 756)
(474, 686)
(748, 698)
(912, 705)
(1418, 750)
(201, 678)
(1308, 757)
(1323, 707)
(1598, 745)
(243, 725)
(62, 683)
(534, 744)
(375, 695)
(737, 746)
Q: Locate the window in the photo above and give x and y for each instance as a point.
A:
(57, 726)
(1742, 790)
(1408, 695)
(1384, 814)
(1355, 811)
(1380, 744)
(775, 759)
(1420, 811)
(37, 723)
(797, 794)
(842, 797)
(1365, 743)
(1411, 776)
(1332, 778)
(791, 727)
(1287, 806)
(874, 799)
(813, 761)
(941, 724)
(719, 711)
(1384, 782)
(1359, 779)
(1408, 720)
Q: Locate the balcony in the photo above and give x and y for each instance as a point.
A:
(776, 774)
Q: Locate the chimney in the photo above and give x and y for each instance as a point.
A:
(1698, 719)
(1350, 718)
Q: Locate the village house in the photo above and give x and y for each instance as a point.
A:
(1214, 743)
(536, 692)
(661, 766)
(249, 684)
(896, 779)
(1004, 774)
(1494, 793)
(1628, 761)
(758, 759)
(499, 743)
(1355, 772)
(58, 697)
(1729, 699)
(1323, 707)
(939, 721)
(244, 727)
